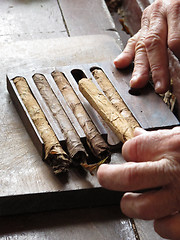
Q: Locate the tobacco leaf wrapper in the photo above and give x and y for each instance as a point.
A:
(106, 110)
(55, 156)
(114, 97)
(95, 141)
(74, 145)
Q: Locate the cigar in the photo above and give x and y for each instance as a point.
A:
(74, 145)
(95, 141)
(55, 156)
(114, 97)
(118, 124)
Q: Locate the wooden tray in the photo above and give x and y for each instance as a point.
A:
(80, 188)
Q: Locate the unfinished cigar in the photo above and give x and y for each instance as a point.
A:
(55, 156)
(95, 141)
(106, 110)
(74, 145)
(114, 97)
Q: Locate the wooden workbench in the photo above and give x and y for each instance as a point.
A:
(35, 34)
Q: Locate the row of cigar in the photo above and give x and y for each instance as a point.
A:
(76, 153)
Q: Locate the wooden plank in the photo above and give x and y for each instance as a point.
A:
(81, 224)
(84, 17)
(20, 20)
(148, 101)
(144, 103)
(22, 170)
(24, 156)
(43, 53)
(104, 223)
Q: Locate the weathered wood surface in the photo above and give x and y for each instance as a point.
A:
(20, 20)
(22, 152)
(32, 35)
(95, 15)
(97, 224)
(22, 170)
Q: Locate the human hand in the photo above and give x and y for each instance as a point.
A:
(160, 30)
(153, 162)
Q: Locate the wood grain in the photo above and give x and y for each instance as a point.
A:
(23, 20)
(94, 223)
(95, 15)
(11, 126)
(18, 21)
(22, 170)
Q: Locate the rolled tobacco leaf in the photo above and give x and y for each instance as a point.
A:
(106, 110)
(114, 97)
(74, 145)
(95, 141)
(55, 156)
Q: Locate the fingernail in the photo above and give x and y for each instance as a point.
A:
(133, 81)
(157, 86)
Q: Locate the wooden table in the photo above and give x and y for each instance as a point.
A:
(35, 34)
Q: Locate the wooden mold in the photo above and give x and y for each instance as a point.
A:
(147, 108)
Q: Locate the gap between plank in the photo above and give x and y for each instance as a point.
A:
(63, 18)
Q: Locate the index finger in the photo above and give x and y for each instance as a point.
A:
(156, 48)
(133, 176)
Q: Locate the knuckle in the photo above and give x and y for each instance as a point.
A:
(174, 42)
(131, 175)
(145, 14)
(152, 40)
(156, 68)
(132, 41)
(139, 68)
(140, 46)
(157, 6)
(174, 7)
(146, 11)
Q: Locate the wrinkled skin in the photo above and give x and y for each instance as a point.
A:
(160, 28)
(153, 158)
(153, 161)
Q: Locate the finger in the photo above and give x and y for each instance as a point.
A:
(148, 146)
(127, 56)
(143, 147)
(156, 48)
(173, 19)
(168, 227)
(149, 205)
(140, 74)
(133, 176)
(152, 145)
